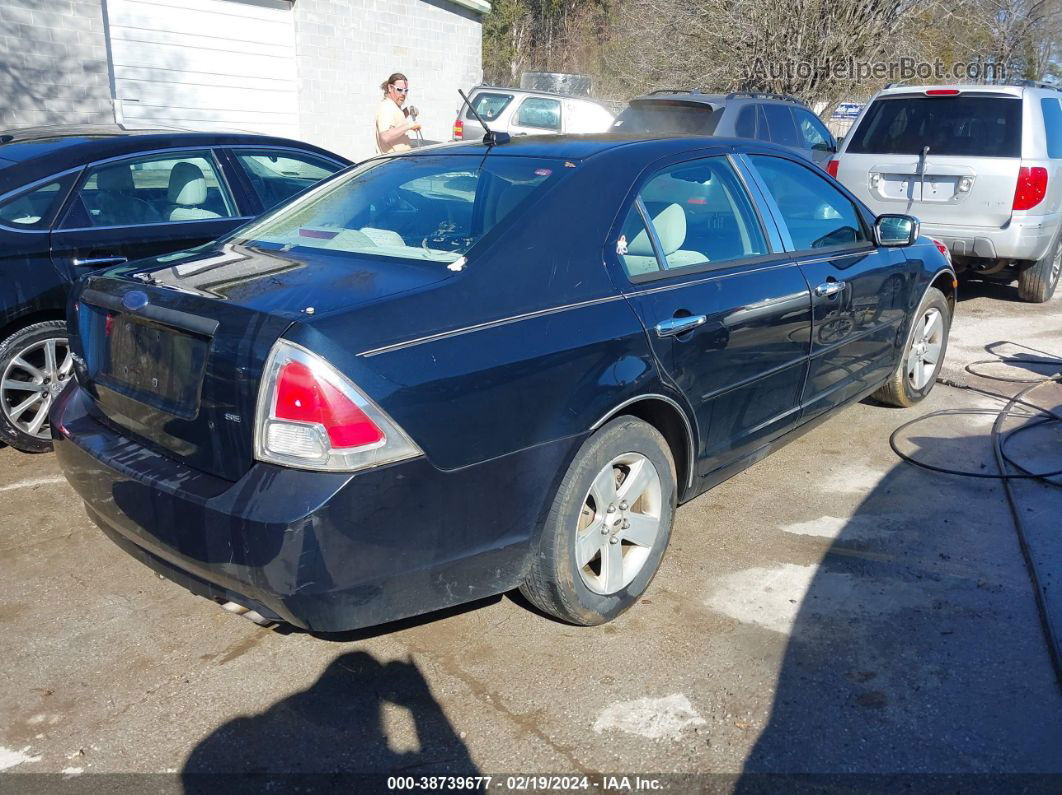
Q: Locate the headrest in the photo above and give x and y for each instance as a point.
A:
(670, 226)
(187, 185)
(115, 178)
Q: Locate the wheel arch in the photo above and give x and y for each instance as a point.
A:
(947, 283)
(28, 319)
(667, 417)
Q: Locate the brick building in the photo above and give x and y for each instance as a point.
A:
(308, 69)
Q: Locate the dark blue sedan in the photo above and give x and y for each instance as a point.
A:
(78, 199)
(469, 369)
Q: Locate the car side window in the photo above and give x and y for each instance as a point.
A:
(762, 132)
(539, 112)
(1052, 109)
(277, 175)
(815, 212)
(745, 126)
(33, 209)
(488, 106)
(780, 123)
(151, 190)
(813, 131)
(700, 213)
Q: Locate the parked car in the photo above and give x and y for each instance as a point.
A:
(777, 118)
(981, 166)
(76, 199)
(463, 370)
(520, 111)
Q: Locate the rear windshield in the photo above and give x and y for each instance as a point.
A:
(962, 125)
(668, 117)
(488, 105)
(423, 207)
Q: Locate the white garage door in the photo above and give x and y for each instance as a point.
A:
(205, 64)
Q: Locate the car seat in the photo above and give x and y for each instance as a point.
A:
(187, 192)
(670, 225)
(116, 201)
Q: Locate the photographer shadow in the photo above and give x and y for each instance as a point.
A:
(361, 718)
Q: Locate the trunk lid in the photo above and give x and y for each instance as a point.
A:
(947, 159)
(173, 352)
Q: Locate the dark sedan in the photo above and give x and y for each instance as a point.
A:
(463, 370)
(78, 199)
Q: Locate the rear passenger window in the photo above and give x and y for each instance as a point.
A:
(815, 212)
(279, 175)
(780, 123)
(33, 209)
(745, 126)
(539, 112)
(813, 132)
(488, 106)
(151, 190)
(1052, 109)
(700, 214)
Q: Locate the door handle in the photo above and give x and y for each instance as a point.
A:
(679, 325)
(95, 262)
(826, 289)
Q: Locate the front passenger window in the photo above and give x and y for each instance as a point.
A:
(150, 190)
(815, 212)
(277, 175)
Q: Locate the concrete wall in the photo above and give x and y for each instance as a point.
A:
(53, 63)
(346, 48)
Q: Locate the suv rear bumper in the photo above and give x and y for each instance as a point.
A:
(319, 550)
(1024, 238)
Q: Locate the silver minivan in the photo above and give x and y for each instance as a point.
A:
(519, 111)
(979, 165)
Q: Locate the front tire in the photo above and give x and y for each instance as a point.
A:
(923, 355)
(1037, 282)
(35, 364)
(608, 528)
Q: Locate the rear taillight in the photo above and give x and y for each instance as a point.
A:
(943, 249)
(1031, 188)
(831, 168)
(310, 416)
(459, 130)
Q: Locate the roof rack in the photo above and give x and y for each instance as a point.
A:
(765, 95)
(675, 91)
(1035, 84)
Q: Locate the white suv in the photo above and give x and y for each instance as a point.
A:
(519, 111)
(980, 166)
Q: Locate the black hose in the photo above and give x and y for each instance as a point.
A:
(999, 440)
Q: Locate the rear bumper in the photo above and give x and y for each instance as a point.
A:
(1024, 238)
(322, 551)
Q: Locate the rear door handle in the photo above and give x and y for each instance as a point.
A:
(95, 262)
(826, 289)
(679, 325)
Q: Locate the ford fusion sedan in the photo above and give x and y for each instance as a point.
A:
(464, 370)
(77, 199)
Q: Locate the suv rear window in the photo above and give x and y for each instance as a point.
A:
(963, 125)
(668, 117)
(420, 208)
(489, 106)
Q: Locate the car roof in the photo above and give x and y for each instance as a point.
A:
(963, 88)
(647, 146)
(695, 95)
(50, 150)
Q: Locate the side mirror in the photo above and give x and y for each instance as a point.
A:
(896, 230)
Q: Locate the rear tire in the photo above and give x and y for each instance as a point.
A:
(923, 355)
(608, 528)
(39, 357)
(1037, 282)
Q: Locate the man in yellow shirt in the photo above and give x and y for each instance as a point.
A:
(392, 126)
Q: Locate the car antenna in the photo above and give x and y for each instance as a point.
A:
(491, 138)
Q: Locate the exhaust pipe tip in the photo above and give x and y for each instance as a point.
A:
(245, 612)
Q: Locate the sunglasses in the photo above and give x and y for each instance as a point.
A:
(401, 90)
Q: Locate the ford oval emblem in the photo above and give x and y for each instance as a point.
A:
(134, 300)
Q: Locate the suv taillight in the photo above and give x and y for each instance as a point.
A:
(831, 168)
(459, 130)
(1031, 188)
(310, 416)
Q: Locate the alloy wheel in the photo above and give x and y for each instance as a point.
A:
(923, 357)
(32, 380)
(619, 523)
